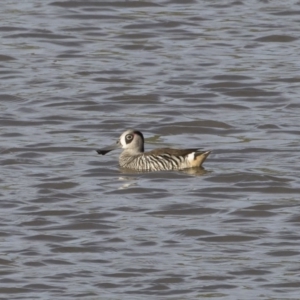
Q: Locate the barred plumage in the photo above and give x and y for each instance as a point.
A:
(134, 157)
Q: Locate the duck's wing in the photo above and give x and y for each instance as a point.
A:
(173, 152)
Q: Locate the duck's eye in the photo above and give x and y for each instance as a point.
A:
(129, 137)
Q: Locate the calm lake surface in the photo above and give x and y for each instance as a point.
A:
(219, 75)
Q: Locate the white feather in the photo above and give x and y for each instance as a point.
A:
(191, 157)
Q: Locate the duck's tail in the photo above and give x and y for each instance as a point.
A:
(199, 158)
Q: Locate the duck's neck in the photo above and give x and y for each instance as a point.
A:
(128, 156)
(131, 152)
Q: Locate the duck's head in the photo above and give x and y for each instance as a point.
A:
(131, 140)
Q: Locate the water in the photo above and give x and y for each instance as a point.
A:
(222, 76)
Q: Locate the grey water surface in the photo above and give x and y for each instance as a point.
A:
(219, 75)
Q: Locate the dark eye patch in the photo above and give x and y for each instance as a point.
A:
(128, 138)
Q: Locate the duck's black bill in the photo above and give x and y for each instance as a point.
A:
(103, 152)
(107, 149)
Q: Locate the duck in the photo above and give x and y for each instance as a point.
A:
(134, 156)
